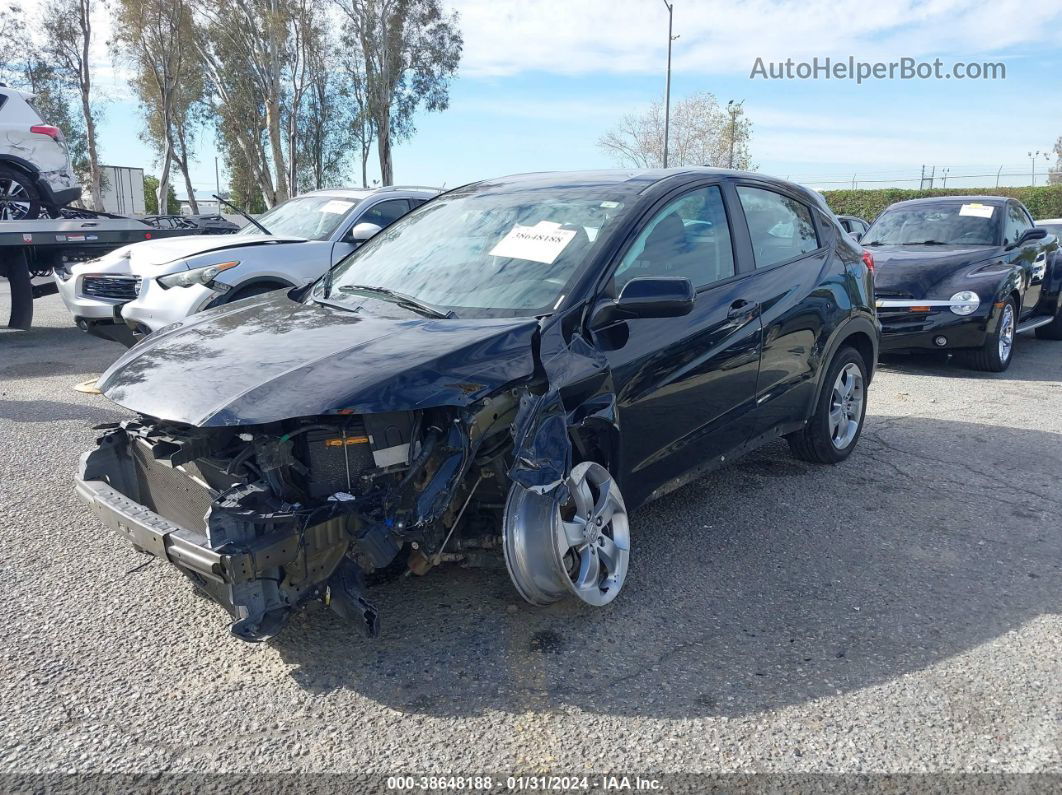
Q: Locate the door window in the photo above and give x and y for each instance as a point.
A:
(1017, 224)
(689, 238)
(385, 213)
(781, 228)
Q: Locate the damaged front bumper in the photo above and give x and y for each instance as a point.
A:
(256, 555)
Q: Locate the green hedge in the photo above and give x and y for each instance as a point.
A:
(1043, 202)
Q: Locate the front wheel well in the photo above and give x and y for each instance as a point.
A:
(257, 287)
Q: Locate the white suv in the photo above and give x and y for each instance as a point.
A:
(151, 284)
(35, 168)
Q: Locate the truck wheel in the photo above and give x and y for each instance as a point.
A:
(834, 428)
(19, 198)
(995, 355)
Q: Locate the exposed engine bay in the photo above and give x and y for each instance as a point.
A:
(263, 518)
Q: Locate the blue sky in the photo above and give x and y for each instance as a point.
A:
(540, 83)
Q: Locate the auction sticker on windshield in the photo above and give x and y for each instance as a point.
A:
(542, 242)
(976, 210)
(337, 207)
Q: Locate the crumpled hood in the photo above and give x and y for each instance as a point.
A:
(148, 257)
(271, 359)
(919, 270)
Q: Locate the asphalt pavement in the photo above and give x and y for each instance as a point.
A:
(899, 612)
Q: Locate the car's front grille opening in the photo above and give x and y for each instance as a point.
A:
(124, 288)
(171, 493)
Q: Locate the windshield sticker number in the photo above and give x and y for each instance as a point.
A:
(337, 207)
(977, 210)
(542, 242)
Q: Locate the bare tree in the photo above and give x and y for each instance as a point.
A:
(702, 134)
(66, 26)
(410, 50)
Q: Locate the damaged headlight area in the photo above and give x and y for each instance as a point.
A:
(264, 518)
(204, 276)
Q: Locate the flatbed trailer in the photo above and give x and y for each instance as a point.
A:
(34, 248)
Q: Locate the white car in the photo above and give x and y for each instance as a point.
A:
(138, 289)
(35, 168)
(1052, 225)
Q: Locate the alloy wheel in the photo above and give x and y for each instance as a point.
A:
(846, 406)
(15, 202)
(576, 544)
(1006, 333)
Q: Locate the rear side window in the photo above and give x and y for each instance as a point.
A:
(385, 213)
(781, 228)
(689, 238)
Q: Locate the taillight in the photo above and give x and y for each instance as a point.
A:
(868, 260)
(46, 129)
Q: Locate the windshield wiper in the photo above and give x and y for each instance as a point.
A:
(873, 243)
(245, 215)
(922, 243)
(401, 299)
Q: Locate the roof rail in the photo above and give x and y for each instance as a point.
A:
(409, 187)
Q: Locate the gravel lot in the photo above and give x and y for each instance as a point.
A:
(900, 612)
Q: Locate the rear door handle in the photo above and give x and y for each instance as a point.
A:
(742, 308)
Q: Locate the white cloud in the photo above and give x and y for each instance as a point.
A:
(630, 36)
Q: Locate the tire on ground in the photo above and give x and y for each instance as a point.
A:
(814, 443)
(988, 356)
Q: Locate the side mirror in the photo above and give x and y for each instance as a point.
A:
(362, 232)
(645, 297)
(857, 235)
(1036, 233)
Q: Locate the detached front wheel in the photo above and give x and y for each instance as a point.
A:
(574, 540)
(834, 428)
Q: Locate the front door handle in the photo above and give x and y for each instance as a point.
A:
(742, 308)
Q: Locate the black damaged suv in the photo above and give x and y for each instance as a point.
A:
(518, 364)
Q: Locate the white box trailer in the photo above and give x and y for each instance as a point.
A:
(123, 190)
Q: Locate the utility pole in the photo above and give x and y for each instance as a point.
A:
(998, 174)
(945, 173)
(217, 180)
(733, 108)
(667, 85)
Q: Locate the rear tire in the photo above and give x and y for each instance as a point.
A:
(996, 354)
(19, 198)
(837, 422)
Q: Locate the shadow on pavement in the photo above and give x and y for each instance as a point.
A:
(771, 583)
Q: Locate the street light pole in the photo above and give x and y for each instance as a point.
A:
(667, 88)
(1032, 157)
